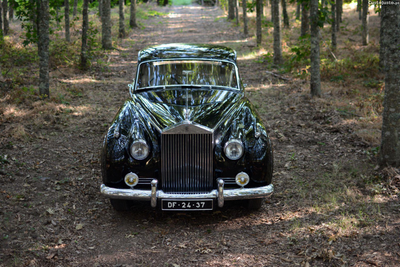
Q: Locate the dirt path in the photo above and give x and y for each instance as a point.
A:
(53, 215)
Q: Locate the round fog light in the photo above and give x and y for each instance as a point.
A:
(131, 179)
(242, 179)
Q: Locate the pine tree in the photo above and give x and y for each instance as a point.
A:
(66, 16)
(245, 28)
(85, 27)
(390, 146)
(315, 81)
(43, 47)
(365, 18)
(106, 25)
(277, 32)
(132, 20)
(121, 33)
(258, 21)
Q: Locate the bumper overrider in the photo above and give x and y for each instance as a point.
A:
(219, 194)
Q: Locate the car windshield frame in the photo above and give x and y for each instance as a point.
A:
(188, 60)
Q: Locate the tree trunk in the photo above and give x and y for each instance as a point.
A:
(121, 19)
(85, 26)
(333, 25)
(1, 75)
(298, 8)
(365, 18)
(132, 21)
(305, 25)
(315, 80)
(272, 11)
(66, 15)
(106, 25)
(390, 146)
(5, 19)
(1, 25)
(43, 47)
(75, 7)
(285, 14)
(101, 8)
(245, 28)
(231, 9)
(277, 33)
(58, 15)
(359, 9)
(11, 11)
(237, 11)
(383, 41)
(258, 21)
(339, 5)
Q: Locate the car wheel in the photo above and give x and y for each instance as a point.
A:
(255, 204)
(120, 204)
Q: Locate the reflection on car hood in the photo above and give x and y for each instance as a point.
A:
(164, 108)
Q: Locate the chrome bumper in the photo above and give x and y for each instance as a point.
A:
(220, 194)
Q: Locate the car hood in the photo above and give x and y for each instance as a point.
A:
(207, 107)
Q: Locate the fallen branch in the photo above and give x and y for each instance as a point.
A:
(327, 47)
(278, 76)
(61, 72)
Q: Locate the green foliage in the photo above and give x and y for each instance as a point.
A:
(145, 14)
(373, 83)
(24, 94)
(251, 6)
(267, 23)
(339, 78)
(324, 14)
(181, 2)
(4, 159)
(26, 11)
(299, 54)
(224, 4)
(63, 53)
(361, 64)
(16, 56)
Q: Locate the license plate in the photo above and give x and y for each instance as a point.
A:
(187, 204)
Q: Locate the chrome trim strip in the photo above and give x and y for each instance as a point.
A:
(238, 88)
(193, 128)
(220, 193)
(228, 194)
(153, 199)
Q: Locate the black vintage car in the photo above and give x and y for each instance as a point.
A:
(188, 139)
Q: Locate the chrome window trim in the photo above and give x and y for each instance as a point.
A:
(195, 128)
(187, 59)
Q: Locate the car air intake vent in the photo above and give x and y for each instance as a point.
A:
(187, 160)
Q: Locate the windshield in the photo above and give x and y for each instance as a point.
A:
(190, 72)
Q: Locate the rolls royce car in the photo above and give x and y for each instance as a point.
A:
(187, 139)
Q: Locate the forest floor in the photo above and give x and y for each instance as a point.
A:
(331, 206)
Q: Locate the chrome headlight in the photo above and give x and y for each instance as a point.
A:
(139, 149)
(234, 149)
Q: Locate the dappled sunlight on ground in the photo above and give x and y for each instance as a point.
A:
(330, 207)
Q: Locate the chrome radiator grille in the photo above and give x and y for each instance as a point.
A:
(187, 163)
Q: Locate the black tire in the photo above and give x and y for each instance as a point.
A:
(119, 204)
(255, 204)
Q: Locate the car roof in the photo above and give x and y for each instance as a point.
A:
(182, 51)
